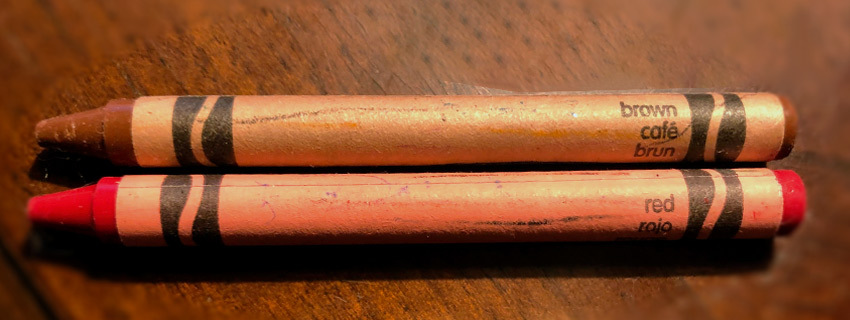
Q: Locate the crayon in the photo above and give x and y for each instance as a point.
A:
(233, 210)
(170, 131)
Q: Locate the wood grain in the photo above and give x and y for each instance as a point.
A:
(59, 57)
(17, 297)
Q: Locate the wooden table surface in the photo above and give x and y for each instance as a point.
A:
(58, 57)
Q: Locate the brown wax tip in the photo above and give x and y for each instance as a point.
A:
(790, 127)
(80, 133)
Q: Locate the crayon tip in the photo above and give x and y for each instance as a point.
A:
(79, 133)
(793, 200)
(68, 210)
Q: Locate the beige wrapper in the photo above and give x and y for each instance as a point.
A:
(427, 130)
(453, 207)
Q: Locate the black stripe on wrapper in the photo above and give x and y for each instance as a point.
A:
(733, 129)
(185, 111)
(731, 217)
(205, 228)
(701, 106)
(217, 134)
(701, 191)
(172, 200)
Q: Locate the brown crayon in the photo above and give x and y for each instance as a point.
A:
(430, 207)
(167, 131)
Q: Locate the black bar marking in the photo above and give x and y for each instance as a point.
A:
(701, 105)
(185, 111)
(733, 129)
(701, 191)
(729, 222)
(205, 228)
(217, 135)
(172, 201)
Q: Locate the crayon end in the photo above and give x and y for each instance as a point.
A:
(78, 133)
(793, 200)
(68, 210)
(790, 127)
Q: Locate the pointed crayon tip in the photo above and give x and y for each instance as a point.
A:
(68, 210)
(78, 133)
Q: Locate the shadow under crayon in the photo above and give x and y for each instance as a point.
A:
(421, 261)
(70, 170)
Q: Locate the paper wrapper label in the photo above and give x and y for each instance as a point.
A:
(452, 207)
(426, 130)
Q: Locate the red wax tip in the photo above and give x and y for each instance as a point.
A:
(793, 200)
(68, 210)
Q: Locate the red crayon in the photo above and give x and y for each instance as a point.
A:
(429, 207)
